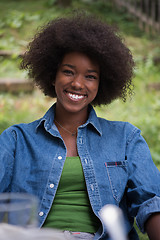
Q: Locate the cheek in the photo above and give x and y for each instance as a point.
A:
(56, 86)
(96, 87)
(93, 86)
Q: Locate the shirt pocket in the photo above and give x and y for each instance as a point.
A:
(117, 176)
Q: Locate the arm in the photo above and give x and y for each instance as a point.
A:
(7, 149)
(152, 226)
(144, 187)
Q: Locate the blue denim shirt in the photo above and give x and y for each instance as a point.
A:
(116, 161)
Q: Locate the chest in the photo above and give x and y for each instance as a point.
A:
(105, 168)
(70, 143)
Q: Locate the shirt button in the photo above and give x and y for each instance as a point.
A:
(59, 157)
(51, 185)
(92, 187)
(41, 214)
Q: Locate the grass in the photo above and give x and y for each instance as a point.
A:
(15, 109)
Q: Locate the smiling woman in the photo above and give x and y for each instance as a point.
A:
(76, 86)
(73, 161)
(85, 34)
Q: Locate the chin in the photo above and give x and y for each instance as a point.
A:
(76, 109)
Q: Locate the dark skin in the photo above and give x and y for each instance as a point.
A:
(152, 226)
(76, 86)
(70, 141)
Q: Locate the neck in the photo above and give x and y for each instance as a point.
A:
(69, 119)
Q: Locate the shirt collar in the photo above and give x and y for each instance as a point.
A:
(48, 120)
(93, 120)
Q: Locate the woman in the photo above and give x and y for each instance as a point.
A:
(72, 160)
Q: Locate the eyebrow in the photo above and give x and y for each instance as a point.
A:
(73, 67)
(90, 71)
(68, 65)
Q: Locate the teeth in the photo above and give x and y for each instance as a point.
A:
(75, 96)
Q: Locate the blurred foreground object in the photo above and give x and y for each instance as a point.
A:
(20, 209)
(10, 232)
(112, 218)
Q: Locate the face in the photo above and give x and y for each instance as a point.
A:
(76, 83)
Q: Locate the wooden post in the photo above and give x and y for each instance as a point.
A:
(140, 19)
(153, 16)
(158, 14)
(16, 85)
(147, 11)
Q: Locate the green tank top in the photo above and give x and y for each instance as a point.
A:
(71, 209)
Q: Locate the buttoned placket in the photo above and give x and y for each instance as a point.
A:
(88, 169)
(55, 173)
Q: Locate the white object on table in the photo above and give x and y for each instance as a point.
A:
(113, 219)
(10, 232)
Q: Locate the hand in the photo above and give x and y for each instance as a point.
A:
(152, 226)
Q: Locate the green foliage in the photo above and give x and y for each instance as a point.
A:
(10, 68)
(15, 19)
(15, 109)
(50, 3)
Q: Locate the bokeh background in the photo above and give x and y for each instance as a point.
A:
(140, 29)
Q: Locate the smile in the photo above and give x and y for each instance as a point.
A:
(75, 96)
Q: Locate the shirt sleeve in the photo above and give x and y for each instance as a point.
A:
(144, 180)
(7, 152)
(147, 208)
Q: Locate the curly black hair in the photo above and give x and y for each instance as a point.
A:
(88, 34)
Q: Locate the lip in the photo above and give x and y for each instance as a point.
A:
(74, 96)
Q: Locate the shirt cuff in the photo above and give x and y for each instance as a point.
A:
(147, 208)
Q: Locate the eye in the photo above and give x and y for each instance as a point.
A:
(68, 72)
(91, 77)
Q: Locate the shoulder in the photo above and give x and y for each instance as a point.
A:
(21, 128)
(118, 128)
(31, 128)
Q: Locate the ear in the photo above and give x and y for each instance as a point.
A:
(53, 83)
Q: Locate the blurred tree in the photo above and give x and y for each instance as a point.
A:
(64, 3)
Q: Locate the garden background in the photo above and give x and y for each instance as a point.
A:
(19, 20)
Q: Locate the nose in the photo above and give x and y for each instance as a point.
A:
(78, 82)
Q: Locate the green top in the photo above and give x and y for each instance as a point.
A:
(71, 209)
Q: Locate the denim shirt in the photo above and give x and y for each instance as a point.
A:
(116, 161)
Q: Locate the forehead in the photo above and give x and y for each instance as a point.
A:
(80, 59)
